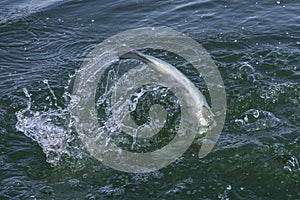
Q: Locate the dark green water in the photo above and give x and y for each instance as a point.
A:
(254, 44)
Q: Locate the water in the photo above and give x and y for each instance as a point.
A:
(254, 44)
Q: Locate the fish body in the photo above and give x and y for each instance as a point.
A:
(203, 111)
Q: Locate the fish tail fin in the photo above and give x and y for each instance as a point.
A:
(135, 55)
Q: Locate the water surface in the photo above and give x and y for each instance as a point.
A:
(254, 44)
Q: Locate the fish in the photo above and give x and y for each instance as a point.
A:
(197, 99)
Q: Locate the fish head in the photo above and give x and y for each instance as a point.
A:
(205, 120)
(206, 116)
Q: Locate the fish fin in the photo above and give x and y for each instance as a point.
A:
(135, 55)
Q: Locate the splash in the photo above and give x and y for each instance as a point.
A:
(255, 120)
(53, 126)
(50, 128)
(99, 125)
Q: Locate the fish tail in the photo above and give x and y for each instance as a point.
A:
(135, 55)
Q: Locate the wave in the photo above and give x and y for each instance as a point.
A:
(15, 10)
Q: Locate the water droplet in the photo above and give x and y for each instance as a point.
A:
(239, 121)
(90, 197)
(256, 114)
(246, 119)
(74, 182)
(228, 187)
(287, 168)
(26, 93)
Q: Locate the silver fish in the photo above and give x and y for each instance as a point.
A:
(204, 114)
